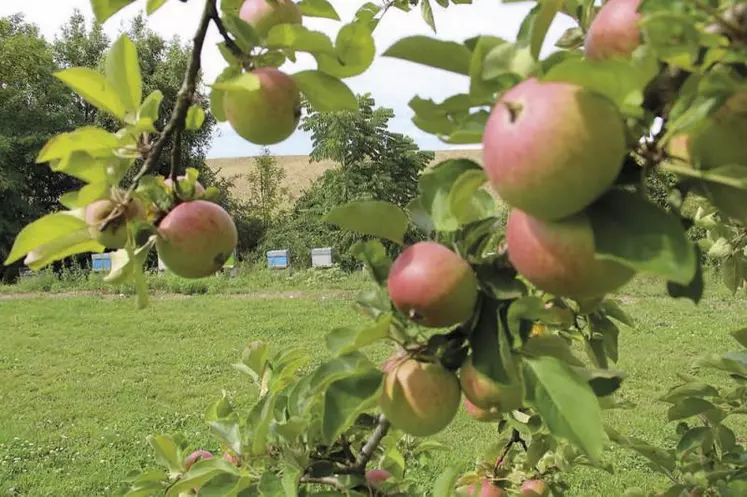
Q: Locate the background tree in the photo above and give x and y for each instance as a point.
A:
(267, 195)
(372, 163)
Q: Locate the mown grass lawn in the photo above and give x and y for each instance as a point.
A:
(84, 379)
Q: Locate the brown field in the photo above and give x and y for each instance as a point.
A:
(300, 172)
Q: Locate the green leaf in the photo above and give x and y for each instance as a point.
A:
(740, 336)
(95, 142)
(299, 38)
(446, 55)
(95, 89)
(200, 473)
(167, 452)
(244, 35)
(195, 117)
(150, 107)
(612, 309)
(354, 52)
(663, 460)
(491, 352)
(104, 9)
(153, 5)
(603, 382)
(731, 273)
(318, 8)
(543, 20)
(373, 254)
(619, 80)
(216, 94)
(508, 59)
(371, 217)
(123, 72)
(435, 185)
(692, 389)
(694, 289)
(52, 238)
(700, 436)
(688, 407)
(239, 82)
(346, 398)
(551, 345)
(635, 232)
(419, 216)
(426, 11)
(467, 201)
(270, 485)
(325, 93)
(124, 264)
(731, 362)
(566, 403)
(444, 484)
(341, 341)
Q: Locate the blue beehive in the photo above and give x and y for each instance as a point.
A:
(101, 262)
(277, 259)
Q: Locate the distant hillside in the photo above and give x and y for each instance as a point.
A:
(300, 172)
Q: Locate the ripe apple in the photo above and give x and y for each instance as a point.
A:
(552, 148)
(485, 393)
(376, 477)
(420, 398)
(486, 415)
(199, 189)
(195, 456)
(559, 257)
(263, 15)
(534, 488)
(614, 31)
(196, 238)
(432, 285)
(268, 115)
(115, 234)
(487, 489)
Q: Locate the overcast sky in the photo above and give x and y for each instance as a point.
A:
(391, 82)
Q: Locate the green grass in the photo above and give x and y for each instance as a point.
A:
(85, 379)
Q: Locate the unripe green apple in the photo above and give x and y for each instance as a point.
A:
(485, 393)
(486, 415)
(534, 488)
(559, 257)
(614, 32)
(552, 148)
(199, 189)
(420, 398)
(262, 15)
(432, 285)
(267, 115)
(195, 456)
(115, 234)
(196, 238)
(487, 489)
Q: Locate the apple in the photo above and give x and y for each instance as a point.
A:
(195, 456)
(534, 488)
(552, 148)
(486, 415)
(263, 15)
(115, 234)
(614, 31)
(420, 398)
(375, 477)
(196, 238)
(231, 458)
(559, 256)
(199, 190)
(268, 115)
(487, 394)
(432, 285)
(486, 488)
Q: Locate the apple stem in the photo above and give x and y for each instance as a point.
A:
(232, 46)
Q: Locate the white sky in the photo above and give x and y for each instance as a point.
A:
(391, 82)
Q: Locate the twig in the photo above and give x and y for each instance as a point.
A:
(176, 157)
(323, 480)
(515, 438)
(232, 46)
(730, 27)
(368, 449)
(184, 97)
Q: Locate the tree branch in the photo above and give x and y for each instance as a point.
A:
(232, 46)
(184, 97)
(368, 449)
(323, 480)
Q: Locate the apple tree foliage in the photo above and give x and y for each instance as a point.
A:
(320, 430)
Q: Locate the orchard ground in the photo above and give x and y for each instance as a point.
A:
(85, 379)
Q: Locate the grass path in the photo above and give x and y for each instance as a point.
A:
(84, 379)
